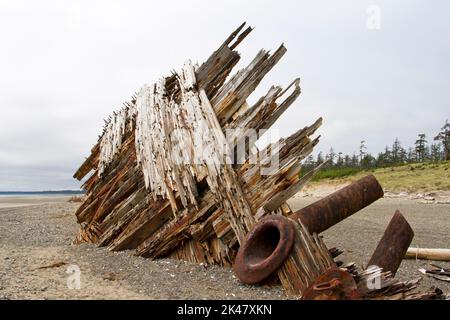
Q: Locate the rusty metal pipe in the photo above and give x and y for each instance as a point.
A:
(327, 212)
(265, 249)
(393, 245)
(269, 243)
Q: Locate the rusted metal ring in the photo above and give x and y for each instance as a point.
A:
(265, 249)
(333, 284)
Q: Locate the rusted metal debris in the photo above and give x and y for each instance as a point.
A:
(393, 245)
(339, 205)
(265, 249)
(334, 284)
(316, 217)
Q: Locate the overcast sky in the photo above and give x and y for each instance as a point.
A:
(66, 65)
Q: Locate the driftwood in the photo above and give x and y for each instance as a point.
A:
(428, 254)
(437, 272)
(308, 260)
(176, 172)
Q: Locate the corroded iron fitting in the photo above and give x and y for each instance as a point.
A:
(393, 245)
(334, 284)
(265, 249)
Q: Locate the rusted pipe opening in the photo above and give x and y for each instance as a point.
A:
(265, 249)
(266, 241)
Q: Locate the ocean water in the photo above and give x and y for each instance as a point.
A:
(39, 193)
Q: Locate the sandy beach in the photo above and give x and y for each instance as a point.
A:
(36, 250)
(21, 201)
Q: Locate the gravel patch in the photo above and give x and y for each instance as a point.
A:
(36, 252)
(37, 236)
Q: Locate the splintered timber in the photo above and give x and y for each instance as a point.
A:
(159, 180)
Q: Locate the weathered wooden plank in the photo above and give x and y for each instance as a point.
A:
(234, 93)
(89, 164)
(308, 260)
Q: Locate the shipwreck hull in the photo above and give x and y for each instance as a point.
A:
(176, 173)
(176, 204)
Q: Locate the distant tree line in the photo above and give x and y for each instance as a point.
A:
(422, 151)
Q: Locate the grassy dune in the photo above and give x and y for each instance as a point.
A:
(420, 177)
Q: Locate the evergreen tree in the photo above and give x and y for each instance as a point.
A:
(308, 163)
(411, 155)
(330, 156)
(354, 161)
(421, 147)
(379, 159)
(403, 155)
(435, 152)
(347, 161)
(426, 154)
(319, 158)
(362, 148)
(387, 155)
(396, 151)
(444, 137)
(339, 160)
(368, 161)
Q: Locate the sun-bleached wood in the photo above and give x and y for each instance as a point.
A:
(164, 180)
